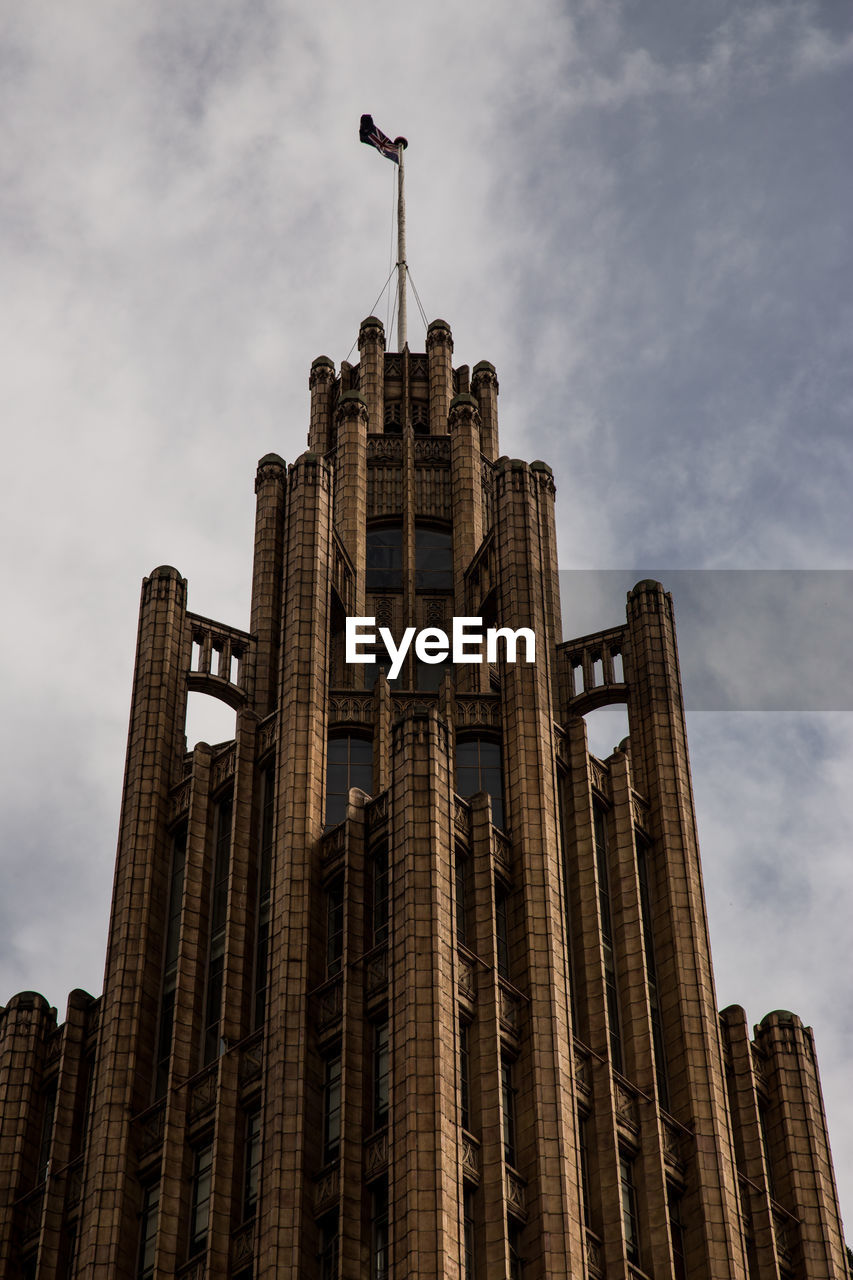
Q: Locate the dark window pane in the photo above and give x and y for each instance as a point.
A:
(332, 1110)
(468, 1226)
(251, 1163)
(349, 764)
(380, 886)
(478, 768)
(508, 1107)
(329, 1247)
(334, 928)
(381, 1074)
(629, 1208)
(433, 559)
(464, 1076)
(148, 1231)
(200, 1201)
(384, 558)
(379, 1231)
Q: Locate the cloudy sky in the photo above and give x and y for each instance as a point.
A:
(639, 212)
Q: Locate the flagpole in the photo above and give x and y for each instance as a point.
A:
(401, 246)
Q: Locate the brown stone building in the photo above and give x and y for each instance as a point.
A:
(403, 982)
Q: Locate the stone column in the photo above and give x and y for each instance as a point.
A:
(698, 1099)
(810, 1237)
(425, 1179)
(134, 955)
(351, 486)
(466, 491)
(371, 381)
(541, 958)
(484, 385)
(267, 581)
(286, 1233)
(322, 384)
(439, 354)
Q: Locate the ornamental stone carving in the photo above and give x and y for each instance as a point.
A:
(152, 1127)
(470, 1158)
(376, 1153)
(179, 801)
(202, 1094)
(326, 1189)
(371, 330)
(251, 1061)
(516, 1193)
(376, 972)
(467, 978)
(626, 1107)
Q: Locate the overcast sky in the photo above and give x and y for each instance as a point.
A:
(639, 212)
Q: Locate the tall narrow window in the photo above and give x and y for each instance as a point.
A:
(170, 961)
(765, 1143)
(583, 1149)
(332, 1109)
(501, 931)
(516, 1262)
(70, 1250)
(611, 991)
(334, 927)
(349, 764)
(200, 1197)
(464, 1076)
(651, 971)
(329, 1247)
(379, 1230)
(148, 1221)
(379, 886)
(508, 1109)
(48, 1111)
(469, 1232)
(85, 1093)
(629, 1207)
(384, 568)
(433, 559)
(461, 887)
(381, 1073)
(264, 892)
(478, 768)
(676, 1233)
(251, 1163)
(218, 915)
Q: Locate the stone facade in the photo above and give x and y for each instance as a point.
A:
(403, 982)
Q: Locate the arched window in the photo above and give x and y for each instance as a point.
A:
(433, 559)
(349, 763)
(384, 558)
(478, 768)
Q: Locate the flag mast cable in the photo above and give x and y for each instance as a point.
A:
(401, 144)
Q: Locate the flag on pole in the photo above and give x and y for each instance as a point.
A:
(376, 138)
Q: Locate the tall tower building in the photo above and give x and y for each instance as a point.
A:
(403, 982)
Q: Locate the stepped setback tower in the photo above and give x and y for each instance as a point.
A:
(402, 982)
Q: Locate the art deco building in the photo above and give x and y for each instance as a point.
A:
(402, 982)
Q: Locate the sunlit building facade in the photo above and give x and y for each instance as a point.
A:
(402, 981)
